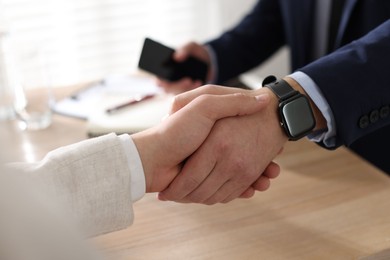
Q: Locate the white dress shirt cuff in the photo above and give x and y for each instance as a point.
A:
(137, 175)
(327, 136)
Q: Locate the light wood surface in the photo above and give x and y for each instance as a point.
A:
(324, 205)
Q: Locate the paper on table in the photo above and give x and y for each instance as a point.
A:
(111, 91)
(131, 119)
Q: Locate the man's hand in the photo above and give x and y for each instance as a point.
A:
(163, 148)
(231, 161)
(185, 84)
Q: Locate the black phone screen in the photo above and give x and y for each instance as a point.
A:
(156, 58)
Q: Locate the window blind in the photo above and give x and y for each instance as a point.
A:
(89, 39)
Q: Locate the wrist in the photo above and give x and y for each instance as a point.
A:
(159, 156)
(272, 112)
(146, 152)
(294, 111)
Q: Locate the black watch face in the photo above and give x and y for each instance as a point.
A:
(297, 117)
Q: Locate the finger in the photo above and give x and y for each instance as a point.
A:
(249, 193)
(224, 194)
(230, 190)
(182, 53)
(216, 107)
(183, 99)
(187, 181)
(262, 183)
(208, 191)
(272, 171)
(160, 196)
(226, 179)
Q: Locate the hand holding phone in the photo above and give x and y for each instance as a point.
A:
(157, 59)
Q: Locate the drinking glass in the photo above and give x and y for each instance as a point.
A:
(6, 76)
(33, 98)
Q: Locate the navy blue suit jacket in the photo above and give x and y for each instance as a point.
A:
(354, 79)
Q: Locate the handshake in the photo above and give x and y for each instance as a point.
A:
(218, 144)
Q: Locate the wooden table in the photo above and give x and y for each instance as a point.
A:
(325, 205)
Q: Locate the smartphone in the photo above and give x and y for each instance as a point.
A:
(157, 59)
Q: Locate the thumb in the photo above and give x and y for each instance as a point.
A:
(183, 99)
(182, 53)
(215, 107)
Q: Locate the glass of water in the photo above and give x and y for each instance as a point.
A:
(6, 76)
(33, 97)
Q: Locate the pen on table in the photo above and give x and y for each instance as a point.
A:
(76, 95)
(133, 101)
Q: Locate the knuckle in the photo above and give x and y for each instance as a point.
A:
(239, 166)
(177, 102)
(244, 174)
(223, 146)
(209, 88)
(240, 95)
(203, 99)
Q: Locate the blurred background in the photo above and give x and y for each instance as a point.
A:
(86, 40)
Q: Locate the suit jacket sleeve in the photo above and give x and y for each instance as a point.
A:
(354, 81)
(247, 45)
(91, 179)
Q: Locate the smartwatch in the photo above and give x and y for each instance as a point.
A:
(295, 113)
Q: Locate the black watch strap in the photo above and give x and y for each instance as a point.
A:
(282, 89)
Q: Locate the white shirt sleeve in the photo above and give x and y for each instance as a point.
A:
(137, 175)
(327, 136)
